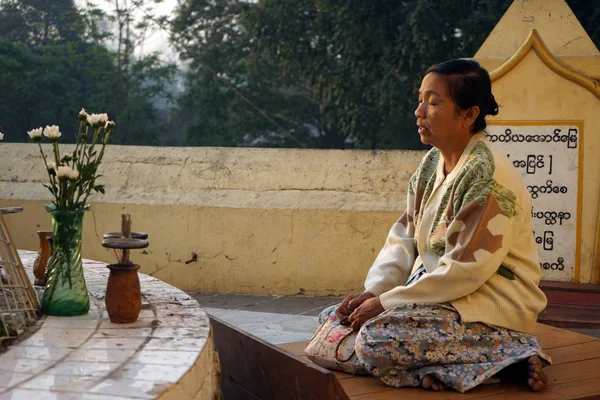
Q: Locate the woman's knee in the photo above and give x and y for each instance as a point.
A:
(360, 345)
(367, 342)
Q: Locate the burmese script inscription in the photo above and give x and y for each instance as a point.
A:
(547, 156)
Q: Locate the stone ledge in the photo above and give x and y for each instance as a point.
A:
(364, 180)
(168, 353)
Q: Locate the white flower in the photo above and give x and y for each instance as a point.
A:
(51, 166)
(109, 128)
(93, 119)
(35, 134)
(1, 135)
(97, 119)
(65, 172)
(83, 115)
(52, 132)
(68, 157)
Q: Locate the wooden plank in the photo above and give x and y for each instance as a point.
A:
(562, 372)
(563, 346)
(575, 352)
(364, 385)
(252, 368)
(575, 374)
(588, 389)
(543, 328)
(231, 391)
(582, 390)
(577, 380)
(559, 355)
(296, 348)
(573, 371)
(562, 338)
(481, 392)
(378, 390)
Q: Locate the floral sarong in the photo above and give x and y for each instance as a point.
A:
(404, 344)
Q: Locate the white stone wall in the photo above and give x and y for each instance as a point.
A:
(259, 220)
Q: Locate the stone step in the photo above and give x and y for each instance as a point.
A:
(571, 305)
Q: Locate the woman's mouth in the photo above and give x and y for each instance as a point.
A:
(423, 130)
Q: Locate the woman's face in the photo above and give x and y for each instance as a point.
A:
(440, 123)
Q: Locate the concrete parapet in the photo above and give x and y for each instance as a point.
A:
(264, 221)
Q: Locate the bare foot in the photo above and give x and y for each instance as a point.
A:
(536, 377)
(429, 382)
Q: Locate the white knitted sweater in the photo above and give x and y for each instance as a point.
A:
(463, 228)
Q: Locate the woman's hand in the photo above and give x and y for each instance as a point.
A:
(368, 309)
(350, 304)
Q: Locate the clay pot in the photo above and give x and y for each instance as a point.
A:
(123, 293)
(51, 242)
(41, 261)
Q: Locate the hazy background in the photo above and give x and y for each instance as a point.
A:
(269, 73)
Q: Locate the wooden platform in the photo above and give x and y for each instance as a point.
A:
(253, 369)
(575, 374)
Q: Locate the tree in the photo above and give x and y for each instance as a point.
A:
(39, 22)
(293, 73)
(360, 62)
(140, 80)
(588, 14)
(364, 60)
(55, 62)
(234, 95)
(48, 71)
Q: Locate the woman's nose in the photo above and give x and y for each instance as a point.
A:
(420, 111)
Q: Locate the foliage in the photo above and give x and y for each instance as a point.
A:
(273, 73)
(364, 60)
(39, 22)
(233, 96)
(54, 58)
(139, 80)
(588, 14)
(356, 65)
(45, 84)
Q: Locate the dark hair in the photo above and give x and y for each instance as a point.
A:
(469, 85)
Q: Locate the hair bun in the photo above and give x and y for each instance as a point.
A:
(493, 106)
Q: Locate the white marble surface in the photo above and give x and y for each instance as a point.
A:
(275, 328)
(89, 357)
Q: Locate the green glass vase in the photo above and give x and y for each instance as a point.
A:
(66, 293)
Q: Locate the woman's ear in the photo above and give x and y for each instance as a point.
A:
(470, 115)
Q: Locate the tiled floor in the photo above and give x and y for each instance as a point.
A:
(278, 319)
(275, 319)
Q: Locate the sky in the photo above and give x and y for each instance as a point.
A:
(158, 40)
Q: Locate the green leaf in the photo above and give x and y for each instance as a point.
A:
(505, 272)
(99, 188)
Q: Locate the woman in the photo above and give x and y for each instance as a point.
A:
(453, 296)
